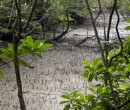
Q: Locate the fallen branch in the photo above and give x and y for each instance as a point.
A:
(84, 40)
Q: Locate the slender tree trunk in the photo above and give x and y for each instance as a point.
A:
(16, 24)
(17, 73)
(107, 76)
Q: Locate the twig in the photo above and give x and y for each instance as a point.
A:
(117, 24)
(119, 38)
(100, 10)
(110, 19)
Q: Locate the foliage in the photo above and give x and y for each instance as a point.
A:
(52, 10)
(123, 6)
(27, 46)
(3, 30)
(100, 95)
(1, 74)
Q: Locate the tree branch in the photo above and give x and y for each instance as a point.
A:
(100, 10)
(118, 35)
(30, 15)
(68, 24)
(110, 19)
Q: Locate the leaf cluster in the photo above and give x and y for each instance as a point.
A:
(27, 46)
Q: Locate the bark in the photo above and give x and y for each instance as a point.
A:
(95, 30)
(17, 24)
(83, 41)
(110, 19)
(17, 73)
(107, 76)
(66, 31)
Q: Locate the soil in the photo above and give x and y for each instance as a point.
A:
(57, 73)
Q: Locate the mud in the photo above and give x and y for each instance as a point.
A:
(57, 73)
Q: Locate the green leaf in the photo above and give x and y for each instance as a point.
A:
(128, 67)
(99, 89)
(39, 50)
(127, 28)
(2, 62)
(67, 107)
(7, 56)
(1, 74)
(85, 74)
(67, 96)
(90, 77)
(90, 97)
(104, 91)
(95, 62)
(35, 48)
(75, 94)
(44, 46)
(111, 55)
(10, 47)
(29, 41)
(23, 62)
(126, 86)
(37, 54)
(37, 43)
(63, 102)
(86, 63)
(128, 20)
(20, 52)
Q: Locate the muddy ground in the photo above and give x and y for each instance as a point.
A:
(57, 73)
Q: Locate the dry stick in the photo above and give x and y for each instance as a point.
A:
(84, 40)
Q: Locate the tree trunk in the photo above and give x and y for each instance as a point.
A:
(17, 73)
(68, 24)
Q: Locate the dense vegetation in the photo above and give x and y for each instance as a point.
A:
(20, 18)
